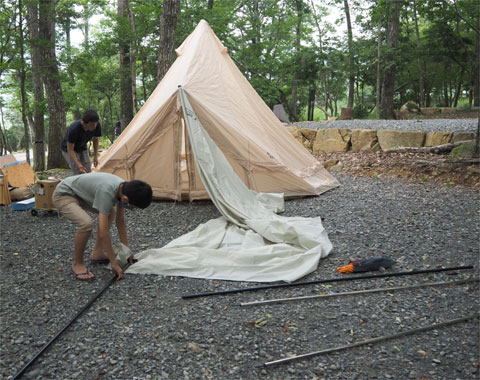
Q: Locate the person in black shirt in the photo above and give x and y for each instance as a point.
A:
(74, 144)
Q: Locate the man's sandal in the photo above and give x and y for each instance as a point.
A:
(78, 275)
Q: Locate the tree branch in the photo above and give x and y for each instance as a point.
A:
(464, 19)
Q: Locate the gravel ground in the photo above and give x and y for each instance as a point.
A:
(427, 125)
(140, 329)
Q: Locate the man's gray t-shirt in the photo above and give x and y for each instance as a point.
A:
(99, 190)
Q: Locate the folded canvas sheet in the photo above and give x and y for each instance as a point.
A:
(250, 242)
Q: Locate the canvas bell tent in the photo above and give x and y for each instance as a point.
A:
(205, 133)
(156, 147)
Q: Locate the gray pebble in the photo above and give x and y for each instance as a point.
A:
(139, 329)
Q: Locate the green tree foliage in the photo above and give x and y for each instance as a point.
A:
(7, 35)
(261, 36)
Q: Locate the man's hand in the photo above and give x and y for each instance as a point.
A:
(95, 161)
(82, 169)
(118, 271)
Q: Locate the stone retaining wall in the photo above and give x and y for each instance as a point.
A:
(361, 140)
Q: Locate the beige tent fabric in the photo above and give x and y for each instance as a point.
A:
(250, 242)
(154, 147)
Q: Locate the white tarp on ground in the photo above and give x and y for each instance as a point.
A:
(250, 242)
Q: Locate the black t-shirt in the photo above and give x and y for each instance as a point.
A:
(78, 136)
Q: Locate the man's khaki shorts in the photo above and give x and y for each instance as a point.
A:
(75, 210)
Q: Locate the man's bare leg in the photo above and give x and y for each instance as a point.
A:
(78, 266)
(99, 252)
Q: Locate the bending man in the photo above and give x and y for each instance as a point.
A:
(99, 193)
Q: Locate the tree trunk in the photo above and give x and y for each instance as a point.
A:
(445, 95)
(38, 98)
(439, 149)
(311, 103)
(379, 71)
(476, 76)
(293, 101)
(298, 28)
(86, 25)
(458, 91)
(168, 30)
(23, 95)
(5, 143)
(110, 110)
(21, 76)
(476, 66)
(428, 98)
(144, 84)
(388, 86)
(419, 58)
(126, 99)
(53, 88)
(351, 57)
(75, 106)
(133, 56)
(323, 74)
(477, 142)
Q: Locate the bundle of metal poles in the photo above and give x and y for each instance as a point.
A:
(359, 292)
(383, 275)
(367, 291)
(336, 279)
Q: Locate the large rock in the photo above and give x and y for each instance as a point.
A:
(431, 110)
(279, 112)
(437, 138)
(297, 134)
(294, 131)
(308, 145)
(332, 140)
(364, 140)
(411, 107)
(463, 136)
(466, 150)
(395, 139)
(309, 134)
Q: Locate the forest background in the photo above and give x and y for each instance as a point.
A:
(375, 57)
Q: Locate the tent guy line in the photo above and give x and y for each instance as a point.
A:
(340, 279)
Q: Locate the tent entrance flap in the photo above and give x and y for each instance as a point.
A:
(191, 186)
